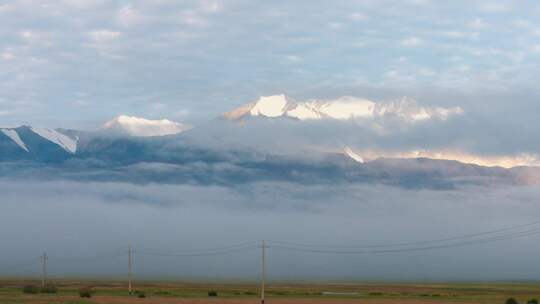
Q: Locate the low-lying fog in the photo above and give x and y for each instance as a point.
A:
(85, 228)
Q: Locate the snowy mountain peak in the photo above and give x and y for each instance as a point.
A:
(342, 108)
(271, 106)
(267, 106)
(13, 135)
(350, 153)
(135, 126)
(64, 141)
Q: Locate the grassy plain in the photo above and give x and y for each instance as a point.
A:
(238, 293)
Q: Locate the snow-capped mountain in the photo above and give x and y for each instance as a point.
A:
(25, 137)
(14, 136)
(344, 108)
(53, 145)
(334, 146)
(135, 126)
(38, 144)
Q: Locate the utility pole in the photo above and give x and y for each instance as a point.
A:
(130, 261)
(263, 270)
(44, 259)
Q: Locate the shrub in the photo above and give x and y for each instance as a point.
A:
(140, 294)
(49, 289)
(30, 289)
(85, 292)
(212, 293)
(511, 301)
(532, 301)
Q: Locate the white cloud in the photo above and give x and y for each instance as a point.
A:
(83, 4)
(211, 6)
(293, 58)
(420, 2)
(5, 8)
(27, 35)
(495, 7)
(192, 17)
(128, 16)
(358, 17)
(523, 23)
(335, 25)
(104, 36)
(462, 68)
(411, 42)
(477, 24)
(7, 55)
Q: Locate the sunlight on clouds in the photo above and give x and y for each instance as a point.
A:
(505, 161)
(411, 42)
(7, 55)
(102, 36)
(128, 16)
(211, 6)
(495, 7)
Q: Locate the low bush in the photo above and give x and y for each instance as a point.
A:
(511, 301)
(30, 289)
(49, 289)
(85, 292)
(532, 301)
(212, 293)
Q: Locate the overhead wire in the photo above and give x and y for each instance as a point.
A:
(514, 235)
(404, 244)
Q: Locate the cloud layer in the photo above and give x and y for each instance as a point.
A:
(88, 220)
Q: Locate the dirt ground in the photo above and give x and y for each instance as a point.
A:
(167, 300)
(114, 292)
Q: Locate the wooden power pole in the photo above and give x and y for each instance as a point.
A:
(263, 270)
(130, 274)
(44, 259)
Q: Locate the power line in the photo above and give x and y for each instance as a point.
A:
(202, 252)
(90, 259)
(495, 235)
(441, 240)
(412, 249)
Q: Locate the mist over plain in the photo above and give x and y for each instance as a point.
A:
(84, 220)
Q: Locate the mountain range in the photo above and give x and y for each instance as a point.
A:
(266, 140)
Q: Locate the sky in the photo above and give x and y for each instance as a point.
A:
(79, 63)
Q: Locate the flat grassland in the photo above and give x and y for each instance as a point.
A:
(11, 291)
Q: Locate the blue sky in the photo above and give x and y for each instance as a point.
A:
(79, 63)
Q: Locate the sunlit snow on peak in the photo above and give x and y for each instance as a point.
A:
(271, 106)
(504, 161)
(65, 142)
(13, 135)
(135, 126)
(342, 108)
(350, 153)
